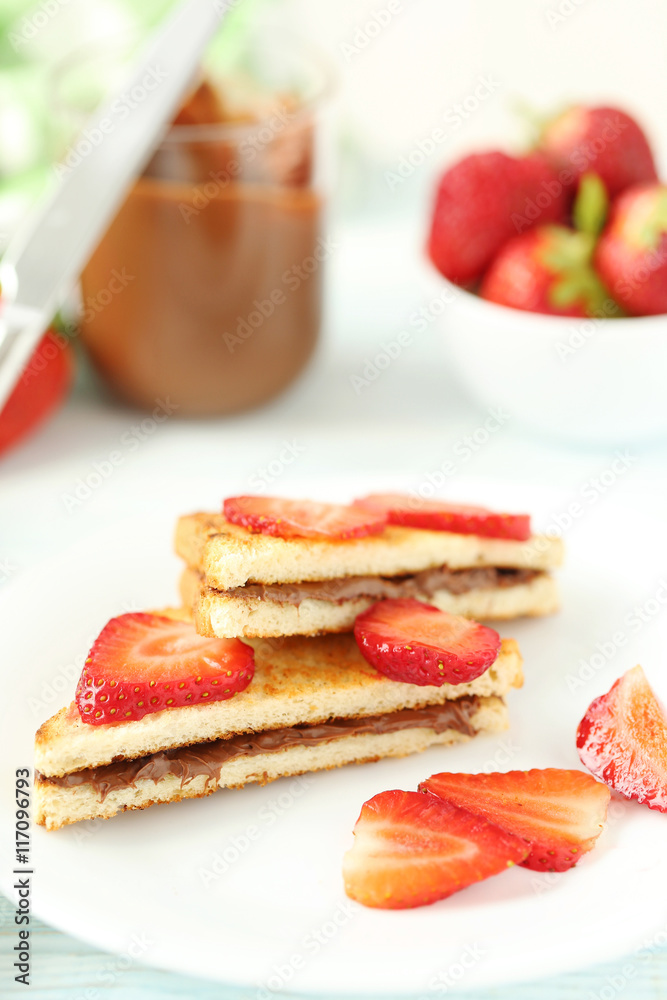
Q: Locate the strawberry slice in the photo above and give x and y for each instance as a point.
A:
(302, 518)
(409, 641)
(560, 814)
(411, 849)
(622, 739)
(434, 515)
(143, 663)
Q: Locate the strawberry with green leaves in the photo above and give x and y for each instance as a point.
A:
(550, 269)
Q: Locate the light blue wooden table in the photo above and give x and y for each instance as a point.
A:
(66, 969)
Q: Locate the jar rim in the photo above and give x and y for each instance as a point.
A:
(215, 131)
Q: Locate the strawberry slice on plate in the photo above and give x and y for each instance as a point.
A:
(435, 515)
(302, 518)
(142, 663)
(622, 739)
(409, 641)
(558, 813)
(411, 849)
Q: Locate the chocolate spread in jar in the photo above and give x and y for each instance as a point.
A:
(208, 759)
(204, 295)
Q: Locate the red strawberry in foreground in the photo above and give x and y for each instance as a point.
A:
(435, 515)
(411, 849)
(548, 270)
(416, 643)
(40, 390)
(143, 663)
(301, 518)
(631, 255)
(484, 200)
(604, 140)
(560, 814)
(622, 739)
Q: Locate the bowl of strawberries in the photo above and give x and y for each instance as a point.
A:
(556, 263)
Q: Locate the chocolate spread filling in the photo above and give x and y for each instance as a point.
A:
(192, 761)
(424, 584)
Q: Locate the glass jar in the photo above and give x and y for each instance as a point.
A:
(207, 286)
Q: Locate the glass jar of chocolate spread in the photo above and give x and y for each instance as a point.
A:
(207, 286)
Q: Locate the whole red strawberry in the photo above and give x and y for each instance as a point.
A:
(631, 256)
(604, 140)
(41, 389)
(548, 270)
(413, 848)
(484, 200)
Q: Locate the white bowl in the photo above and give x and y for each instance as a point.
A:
(593, 381)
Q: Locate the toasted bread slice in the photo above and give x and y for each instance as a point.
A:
(230, 556)
(57, 805)
(298, 681)
(218, 613)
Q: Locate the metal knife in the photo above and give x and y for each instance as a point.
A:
(46, 256)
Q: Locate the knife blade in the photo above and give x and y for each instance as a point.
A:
(47, 254)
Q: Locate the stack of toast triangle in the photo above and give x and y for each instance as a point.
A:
(243, 584)
(314, 703)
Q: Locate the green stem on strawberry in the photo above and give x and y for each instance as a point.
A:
(591, 205)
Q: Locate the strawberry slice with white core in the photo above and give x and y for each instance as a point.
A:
(558, 813)
(302, 518)
(413, 642)
(142, 663)
(435, 515)
(622, 739)
(412, 849)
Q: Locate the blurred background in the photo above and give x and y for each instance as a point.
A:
(368, 380)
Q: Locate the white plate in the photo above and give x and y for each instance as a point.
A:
(276, 918)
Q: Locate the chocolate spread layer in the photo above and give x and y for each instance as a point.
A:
(424, 584)
(192, 761)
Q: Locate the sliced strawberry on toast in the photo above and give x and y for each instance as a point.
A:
(559, 814)
(142, 663)
(413, 642)
(622, 739)
(302, 518)
(411, 849)
(435, 515)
